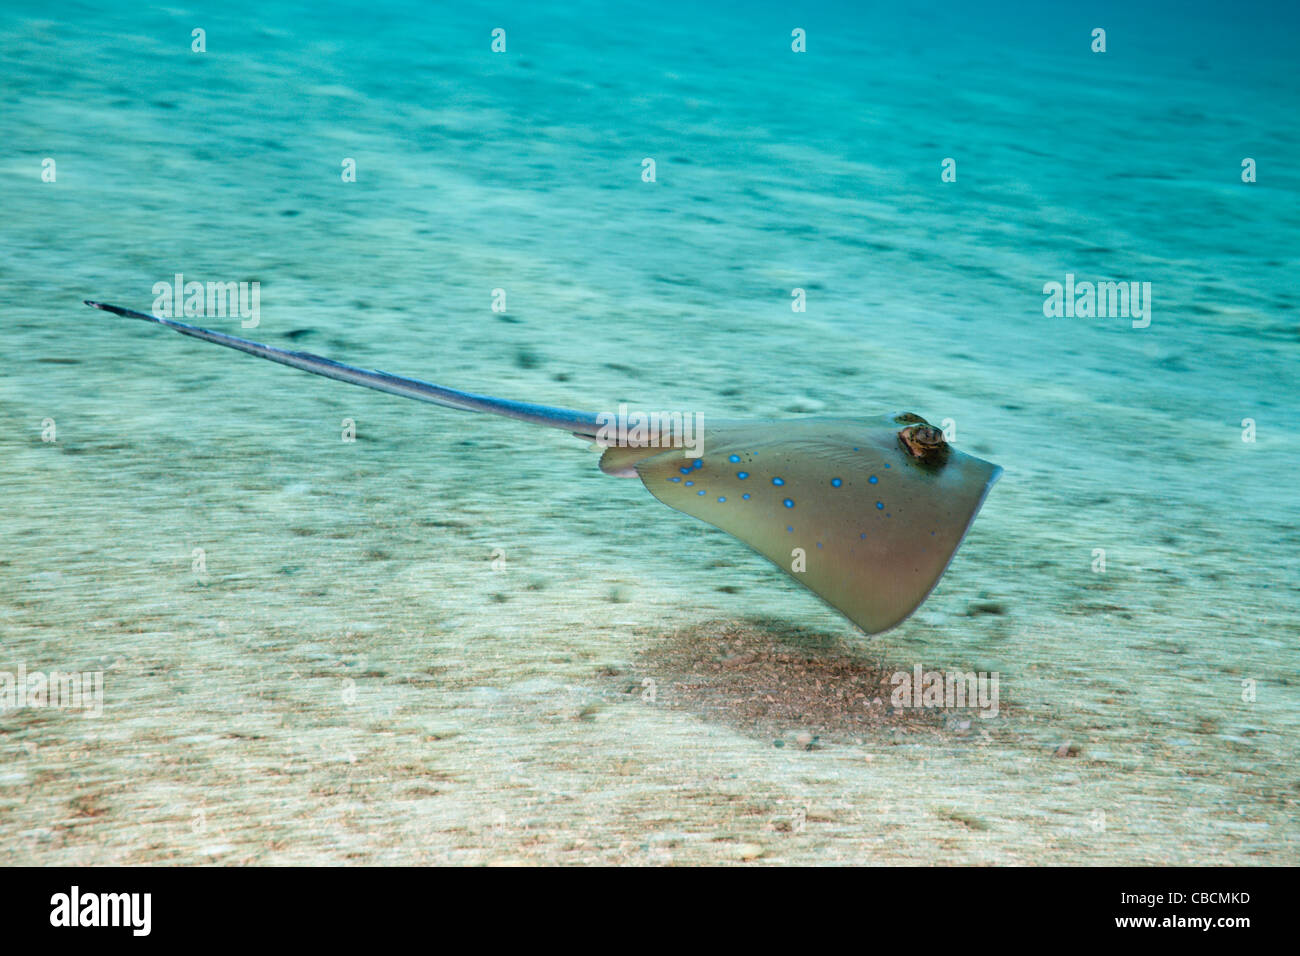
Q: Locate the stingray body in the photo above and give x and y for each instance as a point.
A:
(865, 512)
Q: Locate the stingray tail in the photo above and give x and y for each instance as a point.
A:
(580, 423)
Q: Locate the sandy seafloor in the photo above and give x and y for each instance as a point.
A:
(352, 682)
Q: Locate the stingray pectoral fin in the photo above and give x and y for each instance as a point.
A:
(839, 506)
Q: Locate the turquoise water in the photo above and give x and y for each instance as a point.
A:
(431, 644)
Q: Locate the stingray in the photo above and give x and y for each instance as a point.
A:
(866, 512)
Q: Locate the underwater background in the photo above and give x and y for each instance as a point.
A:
(453, 640)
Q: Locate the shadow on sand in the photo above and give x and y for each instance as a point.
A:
(797, 686)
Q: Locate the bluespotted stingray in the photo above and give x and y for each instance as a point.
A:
(865, 512)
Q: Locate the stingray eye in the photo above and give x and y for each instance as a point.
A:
(909, 418)
(925, 443)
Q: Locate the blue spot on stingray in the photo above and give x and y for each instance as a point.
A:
(742, 475)
(789, 502)
(684, 471)
(734, 458)
(746, 497)
(789, 527)
(689, 483)
(873, 479)
(722, 500)
(674, 479)
(880, 506)
(700, 492)
(819, 544)
(887, 465)
(699, 463)
(836, 482)
(863, 535)
(855, 449)
(778, 481)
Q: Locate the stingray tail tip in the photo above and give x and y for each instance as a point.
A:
(118, 310)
